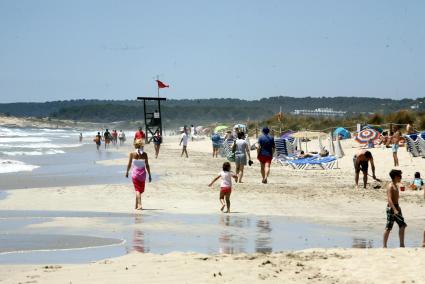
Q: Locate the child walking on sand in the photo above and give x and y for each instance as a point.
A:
(226, 185)
(393, 209)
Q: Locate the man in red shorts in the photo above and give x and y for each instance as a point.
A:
(139, 134)
(265, 153)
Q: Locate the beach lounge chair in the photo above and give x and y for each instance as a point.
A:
(226, 150)
(324, 163)
(283, 154)
(413, 145)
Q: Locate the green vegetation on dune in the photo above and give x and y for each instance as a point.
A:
(209, 111)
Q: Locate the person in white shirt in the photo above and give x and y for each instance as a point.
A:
(184, 139)
(226, 185)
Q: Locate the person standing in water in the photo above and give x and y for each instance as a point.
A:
(139, 163)
(98, 140)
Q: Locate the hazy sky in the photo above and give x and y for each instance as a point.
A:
(56, 50)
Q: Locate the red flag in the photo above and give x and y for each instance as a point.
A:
(161, 85)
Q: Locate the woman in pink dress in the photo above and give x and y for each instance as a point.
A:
(139, 163)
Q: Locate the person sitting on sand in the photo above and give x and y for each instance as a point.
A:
(226, 185)
(139, 163)
(265, 152)
(361, 163)
(393, 209)
(241, 149)
(417, 183)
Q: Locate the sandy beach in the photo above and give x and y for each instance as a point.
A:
(317, 196)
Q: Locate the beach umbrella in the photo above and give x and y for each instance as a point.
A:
(308, 134)
(220, 128)
(341, 131)
(286, 134)
(364, 136)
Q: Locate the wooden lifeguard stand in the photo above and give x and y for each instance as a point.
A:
(153, 120)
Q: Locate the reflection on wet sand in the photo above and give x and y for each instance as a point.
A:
(362, 243)
(138, 235)
(263, 240)
(229, 242)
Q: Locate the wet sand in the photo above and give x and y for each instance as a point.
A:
(315, 196)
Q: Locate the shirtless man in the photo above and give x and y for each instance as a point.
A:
(409, 128)
(393, 209)
(361, 163)
(395, 139)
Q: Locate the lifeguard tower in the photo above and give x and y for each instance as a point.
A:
(153, 117)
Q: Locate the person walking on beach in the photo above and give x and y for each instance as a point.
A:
(107, 137)
(215, 138)
(226, 185)
(157, 140)
(361, 163)
(241, 150)
(265, 153)
(393, 209)
(192, 132)
(184, 139)
(395, 141)
(139, 163)
(98, 140)
(121, 137)
(139, 134)
(80, 138)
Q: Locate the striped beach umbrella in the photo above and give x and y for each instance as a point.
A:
(364, 136)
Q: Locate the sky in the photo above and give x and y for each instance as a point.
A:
(104, 49)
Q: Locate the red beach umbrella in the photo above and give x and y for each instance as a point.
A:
(364, 136)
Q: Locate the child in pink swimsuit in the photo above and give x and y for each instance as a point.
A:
(226, 185)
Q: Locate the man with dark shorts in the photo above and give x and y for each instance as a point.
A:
(265, 152)
(361, 163)
(393, 209)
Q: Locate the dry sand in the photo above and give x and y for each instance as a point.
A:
(314, 195)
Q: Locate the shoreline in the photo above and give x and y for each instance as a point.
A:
(319, 196)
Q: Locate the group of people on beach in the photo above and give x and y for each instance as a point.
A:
(139, 163)
(109, 137)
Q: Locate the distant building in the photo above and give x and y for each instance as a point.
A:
(320, 112)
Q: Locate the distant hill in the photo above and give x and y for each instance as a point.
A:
(203, 111)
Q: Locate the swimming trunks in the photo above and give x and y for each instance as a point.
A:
(362, 166)
(265, 159)
(394, 148)
(391, 217)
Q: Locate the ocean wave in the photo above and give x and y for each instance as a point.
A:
(33, 153)
(23, 139)
(40, 145)
(11, 166)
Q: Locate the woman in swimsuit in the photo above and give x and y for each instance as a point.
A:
(138, 160)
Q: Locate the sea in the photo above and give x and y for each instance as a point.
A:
(44, 157)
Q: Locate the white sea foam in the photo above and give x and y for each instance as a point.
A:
(23, 139)
(11, 166)
(33, 153)
(40, 145)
